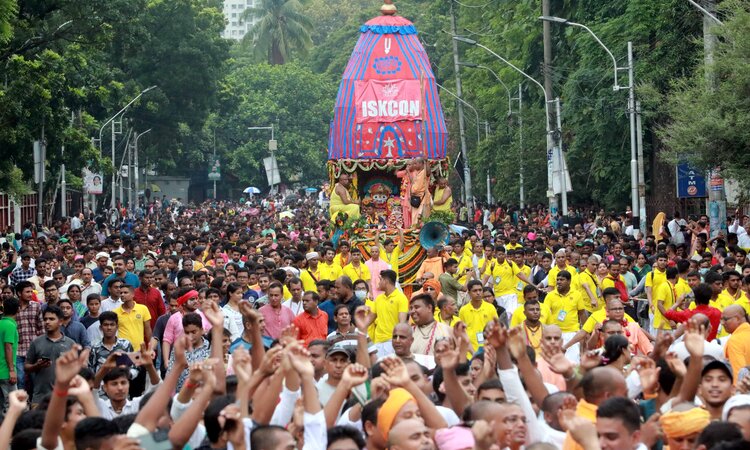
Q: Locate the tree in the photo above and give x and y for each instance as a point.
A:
(280, 31)
(298, 103)
(710, 127)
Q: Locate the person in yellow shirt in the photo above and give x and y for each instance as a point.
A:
(475, 263)
(561, 263)
(665, 296)
(654, 279)
(344, 255)
(311, 274)
(513, 242)
(391, 308)
(503, 274)
(567, 311)
(518, 258)
(737, 350)
(590, 288)
(716, 281)
(356, 270)
(390, 252)
(329, 270)
(530, 294)
(476, 314)
(732, 293)
(446, 311)
(597, 318)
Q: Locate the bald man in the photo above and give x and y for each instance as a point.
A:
(402, 339)
(598, 385)
(411, 434)
(551, 340)
(737, 350)
(510, 426)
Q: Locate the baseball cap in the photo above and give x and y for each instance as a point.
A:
(718, 364)
(336, 348)
(735, 401)
(102, 255)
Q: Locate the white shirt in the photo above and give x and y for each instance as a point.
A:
(110, 305)
(295, 307)
(109, 413)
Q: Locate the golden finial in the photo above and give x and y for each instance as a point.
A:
(388, 9)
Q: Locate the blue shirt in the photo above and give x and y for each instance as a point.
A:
(328, 306)
(240, 342)
(76, 331)
(131, 279)
(98, 275)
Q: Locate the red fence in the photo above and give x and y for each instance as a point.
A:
(26, 208)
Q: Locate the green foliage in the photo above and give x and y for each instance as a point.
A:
(281, 29)
(444, 217)
(294, 99)
(710, 125)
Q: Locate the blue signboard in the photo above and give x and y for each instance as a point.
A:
(691, 183)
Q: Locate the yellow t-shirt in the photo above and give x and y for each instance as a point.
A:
(371, 329)
(590, 279)
(357, 273)
(310, 279)
(467, 264)
(393, 258)
(667, 294)
(510, 246)
(340, 261)
(575, 281)
(519, 316)
(387, 309)
(564, 309)
(475, 320)
(130, 325)
(329, 272)
(654, 279)
(520, 284)
(503, 276)
(598, 317)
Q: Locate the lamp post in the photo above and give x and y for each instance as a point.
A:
(637, 186)
(520, 124)
(111, 120)
(272, 149)
(464, 154)
(551, 149)
(135, 164)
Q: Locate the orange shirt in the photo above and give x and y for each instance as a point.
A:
(311, 328)
(432, 265)
(587, 411)
(737, 350)
(548, 376)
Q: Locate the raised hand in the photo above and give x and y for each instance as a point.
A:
(18, 400)
(69, 364)
(181, 344)
(241, 363)
(447, 356)
(396, 373)
(557, 362)
(147, 355)
(496, 335)
(379, 387)
(299, 358)
(249, 313)
(289, 335)
(516, 343)
(79, 386)
(590, 359)
(662, 344)
(213, 313)
(354, 375)
(651, 431)
(649, 374)
(271, 361)
(490, 362)
(582, 430)
(483, 432)
(196, 373)
(362, 317)
(676, 364)
(695, 338)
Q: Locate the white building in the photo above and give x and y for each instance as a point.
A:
(236, 27)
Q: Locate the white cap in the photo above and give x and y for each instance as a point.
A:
(735, 401)
(312, 255)
(102, 255)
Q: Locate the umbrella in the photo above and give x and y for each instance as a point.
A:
(311, 189)
(251, 190)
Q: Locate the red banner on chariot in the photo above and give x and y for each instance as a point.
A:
(386, 101)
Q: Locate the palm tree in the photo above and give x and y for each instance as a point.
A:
(280, 30)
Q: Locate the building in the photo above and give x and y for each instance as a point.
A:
(236, 27)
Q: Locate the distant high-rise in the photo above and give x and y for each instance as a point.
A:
(237, 27)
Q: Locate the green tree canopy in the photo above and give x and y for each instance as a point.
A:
(281, 30)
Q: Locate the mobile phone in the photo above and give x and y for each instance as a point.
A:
(123, 360)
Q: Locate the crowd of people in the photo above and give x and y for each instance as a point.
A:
(241, 325)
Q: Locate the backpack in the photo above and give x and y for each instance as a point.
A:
(620, 286)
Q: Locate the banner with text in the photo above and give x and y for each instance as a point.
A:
(388, 101)
(691, 183)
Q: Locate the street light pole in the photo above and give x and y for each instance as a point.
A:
(635, 183)
(547, 100)
(111, 120)
(136, 175)
(461, 126)
(520, 148)
(272, 149)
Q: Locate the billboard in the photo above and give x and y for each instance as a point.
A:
(691, 183)
(214, 172)
(92, 182)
